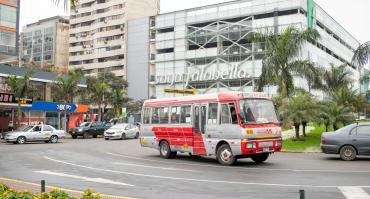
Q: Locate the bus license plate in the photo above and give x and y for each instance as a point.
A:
(266, 149)
(265, 144)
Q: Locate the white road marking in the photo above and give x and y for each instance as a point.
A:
(192, 179)
(236, 167)
(154, 167)
(98, 180)
(354, 193)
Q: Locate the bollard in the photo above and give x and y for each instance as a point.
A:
(301, 194)
(42, 186)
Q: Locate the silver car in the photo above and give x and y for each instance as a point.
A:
(348, 142)
(33, 133)
(122, 131)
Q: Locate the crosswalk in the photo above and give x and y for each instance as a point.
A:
(354, 193)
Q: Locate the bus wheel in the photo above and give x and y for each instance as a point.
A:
(225, 155)
(165, 150)
(260, 157)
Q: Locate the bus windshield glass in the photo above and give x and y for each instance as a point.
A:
(257, 111)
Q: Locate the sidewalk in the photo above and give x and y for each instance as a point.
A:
(291, 132)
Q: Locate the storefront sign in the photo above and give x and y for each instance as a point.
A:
(10, 98)
(233, 73)
(5, 88)
(56, 107)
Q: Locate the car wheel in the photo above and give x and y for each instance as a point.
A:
(123, 136)
(54, 139)
(260, 157)
(46, 141)
(74, 136)
(21, 140)
(225, 155)
(165, 150)
(348, 153)
(85, 136)
(137, 135)
(95, 136)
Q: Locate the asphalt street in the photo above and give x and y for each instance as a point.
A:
(122, 167)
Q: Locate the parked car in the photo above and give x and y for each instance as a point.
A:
(348, 142)
(87, 129)
(122, 131)
(33, 133)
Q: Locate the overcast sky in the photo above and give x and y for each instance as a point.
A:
(353, 15)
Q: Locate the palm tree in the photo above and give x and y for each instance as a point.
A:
(67, 4)
(279, 64)
(98, 93)
(21, 88)
(336, 78)
(350, 98)
(66, 88)
(340, 115)
(118, 98)
(361, 55)
(298, 109)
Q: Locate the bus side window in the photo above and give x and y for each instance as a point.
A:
(175, 115)
(185, 116)
(147, 115)
(212, 113)
(155, 116)
(225, 114)
(163, 115)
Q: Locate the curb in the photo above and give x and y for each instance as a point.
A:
(285, 151)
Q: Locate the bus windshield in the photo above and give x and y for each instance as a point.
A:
(257, 111)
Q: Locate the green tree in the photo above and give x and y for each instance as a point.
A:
(361, 55)
(134, 106)
(66, 88)
(98, 93)
(339, 115)
(21, 88)
(280, 64)
(298, 109)
(117, 100)
(350, 98)
(336, 78)
(67, 3)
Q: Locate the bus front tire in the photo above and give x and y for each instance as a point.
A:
(225, 155)
(260, 158)
(165, 150)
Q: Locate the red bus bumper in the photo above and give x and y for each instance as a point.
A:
(249, 147)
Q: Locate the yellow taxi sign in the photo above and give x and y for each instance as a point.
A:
(179, 91)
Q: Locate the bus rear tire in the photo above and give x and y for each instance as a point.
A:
(260, 158)
(165, 150)
(225, 155)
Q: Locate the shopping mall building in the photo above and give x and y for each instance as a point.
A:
(210, 48)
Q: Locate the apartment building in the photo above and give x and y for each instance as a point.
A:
(210, 49)
(44, 44)
(9, 30)
(98, 34)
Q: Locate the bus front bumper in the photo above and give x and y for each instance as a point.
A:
(249, 147)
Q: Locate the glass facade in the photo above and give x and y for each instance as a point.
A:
(8, 28)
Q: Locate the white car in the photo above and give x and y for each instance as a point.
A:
(33, 133)
(122, 131)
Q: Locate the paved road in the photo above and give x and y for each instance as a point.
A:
(122, 167)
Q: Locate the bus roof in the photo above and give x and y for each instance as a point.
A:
(213, 97)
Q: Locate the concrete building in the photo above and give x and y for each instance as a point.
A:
(9, 30)
(99, 32)
(45, 44)
(210, 48)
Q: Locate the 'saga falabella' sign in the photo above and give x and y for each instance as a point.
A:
(233, 73)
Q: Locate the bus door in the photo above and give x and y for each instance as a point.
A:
(200, 113)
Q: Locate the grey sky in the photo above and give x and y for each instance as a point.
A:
(352, 15)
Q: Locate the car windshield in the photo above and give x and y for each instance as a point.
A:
(259, 111)
(24, 128)
(84, 124)
(119, 126)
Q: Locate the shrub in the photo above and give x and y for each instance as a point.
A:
(88, 194)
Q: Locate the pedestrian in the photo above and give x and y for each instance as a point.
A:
(10, 125)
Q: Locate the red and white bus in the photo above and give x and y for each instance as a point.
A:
(228, 125)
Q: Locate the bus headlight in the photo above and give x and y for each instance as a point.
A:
(278, 143)
(251, 145)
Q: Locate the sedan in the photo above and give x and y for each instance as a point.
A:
(33, 133)
(122, 131)
(348, 142)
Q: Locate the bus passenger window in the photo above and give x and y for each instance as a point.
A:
(155, 117)
(175, 115)
(146, 116)
(225, 114)
(163, 115)
(185, 114)
(212, 113)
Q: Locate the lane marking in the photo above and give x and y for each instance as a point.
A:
(97, 180)
(192, 179)
(354, 193)
(59, 188)
(154, 167)
(237, 167)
